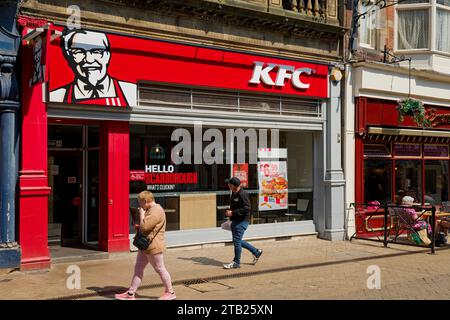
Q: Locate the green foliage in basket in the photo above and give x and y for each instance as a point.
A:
(412, 107)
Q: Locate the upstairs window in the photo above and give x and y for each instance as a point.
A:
(443, 27)
(423, 24)
(413, 28)
(368, 25)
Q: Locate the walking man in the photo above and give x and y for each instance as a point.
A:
(238, 214)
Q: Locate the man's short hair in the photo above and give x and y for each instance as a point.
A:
(146, 196)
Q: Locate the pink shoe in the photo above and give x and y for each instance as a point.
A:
(168, 296)
(125, 296)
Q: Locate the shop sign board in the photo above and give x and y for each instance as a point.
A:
(96, 68)
(272, 180)
(161, 177)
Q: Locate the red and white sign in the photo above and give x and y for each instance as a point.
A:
(91, 67)
(159, 175)
(137, 175)
(240, 171)
(261, 73)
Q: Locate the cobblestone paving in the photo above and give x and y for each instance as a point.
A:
(302, 268)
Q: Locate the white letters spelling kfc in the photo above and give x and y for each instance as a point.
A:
(261, 73)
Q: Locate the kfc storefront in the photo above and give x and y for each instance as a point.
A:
(108, 115)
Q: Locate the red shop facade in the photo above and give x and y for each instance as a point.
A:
(79, 87)
(395, 159)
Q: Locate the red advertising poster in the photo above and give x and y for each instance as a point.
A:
(240, 171)
(97, 68)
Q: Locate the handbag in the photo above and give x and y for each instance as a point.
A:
(424, 237)
(441, 239)
(226, 225)
(142, 242)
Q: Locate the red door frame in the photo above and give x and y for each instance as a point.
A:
(114, 186)
(33, 173)
(33, 181)
(360, 114)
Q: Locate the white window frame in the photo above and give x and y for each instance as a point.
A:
(362, 19)
(432, 6)
(439, 7)
(431, 22)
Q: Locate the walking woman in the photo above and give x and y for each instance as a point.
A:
(152, 222)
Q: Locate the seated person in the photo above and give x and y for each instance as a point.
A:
(416, 222)
(443, 225)
(373, 205)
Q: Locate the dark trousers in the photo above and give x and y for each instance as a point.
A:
(237, 230)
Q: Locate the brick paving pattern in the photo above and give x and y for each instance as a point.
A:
(299, 269)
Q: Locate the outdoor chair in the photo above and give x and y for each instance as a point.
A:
(403, 222)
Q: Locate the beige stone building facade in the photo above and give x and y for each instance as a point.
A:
(111, 82)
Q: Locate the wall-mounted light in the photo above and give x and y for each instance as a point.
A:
(157, 152)
(336, 74)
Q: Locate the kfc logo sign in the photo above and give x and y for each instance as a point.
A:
(88, 54)
(261, 73)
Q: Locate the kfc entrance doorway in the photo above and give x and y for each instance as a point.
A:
(73, 175)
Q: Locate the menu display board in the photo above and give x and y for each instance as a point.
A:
(273, 185)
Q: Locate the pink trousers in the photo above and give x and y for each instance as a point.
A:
(157, 262)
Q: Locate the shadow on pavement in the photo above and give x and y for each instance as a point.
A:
(141, 297)
(107, 292)
(205, 261)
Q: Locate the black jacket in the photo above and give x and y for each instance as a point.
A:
(240, 205)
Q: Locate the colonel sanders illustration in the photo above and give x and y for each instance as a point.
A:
(88, 54)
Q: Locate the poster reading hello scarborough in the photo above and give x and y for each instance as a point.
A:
(273, 185)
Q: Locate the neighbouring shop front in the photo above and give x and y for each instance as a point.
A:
(117, 115)
(399, 160)
(396, 159)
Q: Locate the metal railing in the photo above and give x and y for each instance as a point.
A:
(396, 223)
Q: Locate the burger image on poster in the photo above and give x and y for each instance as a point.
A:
(88, 54)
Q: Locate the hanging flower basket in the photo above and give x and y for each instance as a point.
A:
(412, 107)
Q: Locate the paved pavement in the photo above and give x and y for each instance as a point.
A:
(296, 269)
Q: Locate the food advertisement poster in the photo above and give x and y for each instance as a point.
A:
(240, 171)
(273, 185)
